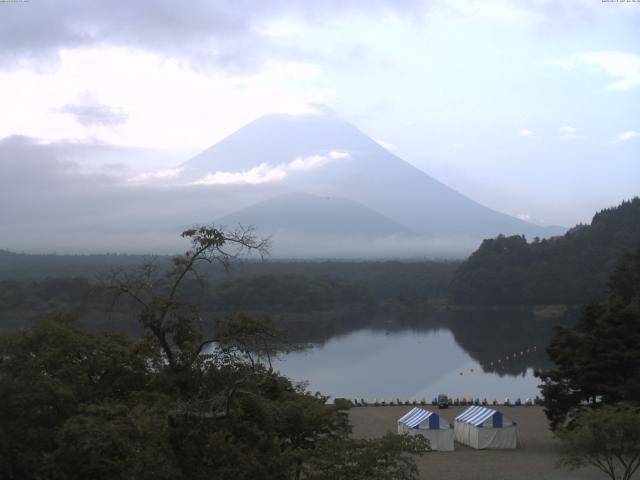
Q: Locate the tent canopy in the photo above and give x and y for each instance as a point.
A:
(478, 415)
(482, 427)
(419, 421)
(416, 416)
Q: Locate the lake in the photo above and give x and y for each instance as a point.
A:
(473, 355)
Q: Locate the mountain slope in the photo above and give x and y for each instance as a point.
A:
(302, 213)
(572, 269)
(325, 155)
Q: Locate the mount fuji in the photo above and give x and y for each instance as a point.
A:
(368, 192)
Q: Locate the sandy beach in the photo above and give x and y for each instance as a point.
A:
(534, 459)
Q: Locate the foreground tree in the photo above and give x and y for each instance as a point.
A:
(256, 338)
(174, 323)
(598, 359)
(607, 438)
(383, 458)
(174, 404)
(66, 390)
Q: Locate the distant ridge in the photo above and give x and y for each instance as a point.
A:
(303, 213)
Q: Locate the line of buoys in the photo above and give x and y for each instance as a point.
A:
(452, 402)
(513, 356)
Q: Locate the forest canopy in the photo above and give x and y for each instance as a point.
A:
(572, 269)
(179, 402)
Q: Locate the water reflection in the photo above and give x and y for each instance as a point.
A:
(453, 353)
(507, 343)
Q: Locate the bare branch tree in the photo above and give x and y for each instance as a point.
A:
(155, 291)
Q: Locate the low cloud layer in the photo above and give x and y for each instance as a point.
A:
(146, 177)
(62, 209)
(53, 205)
(265, 172)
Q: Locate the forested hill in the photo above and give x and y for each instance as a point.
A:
(29, 266)
(571, 269)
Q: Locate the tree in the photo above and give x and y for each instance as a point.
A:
(48, 374)
(173, 322)
(607, 438)
(114, 440)
(174, 404)
(570, 269)
(376, 459)
(598, 359)
(252, 336)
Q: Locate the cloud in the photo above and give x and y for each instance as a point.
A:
(35, 177)
(263, 173)
(383, 144)
(57, 207)
(567, 132)
(25, 162)
(266, 173)
(531, 219)
(525, 132)
(225, 33)
(158, 175)
(315, 161)
(625, 136)
(624, 67)
(89, 112)
(39, 31)
(232, 34)
(501, 10)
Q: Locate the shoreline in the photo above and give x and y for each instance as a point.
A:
(534, 459)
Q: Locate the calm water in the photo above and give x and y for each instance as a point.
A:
(460, 360)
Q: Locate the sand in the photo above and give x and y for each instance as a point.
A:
(534, 459)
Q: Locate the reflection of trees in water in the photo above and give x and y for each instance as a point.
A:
(318, 328)
(504, 342)
(486, 335)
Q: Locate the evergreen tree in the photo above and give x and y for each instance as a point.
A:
(598, 359)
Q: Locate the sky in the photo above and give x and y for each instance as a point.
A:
(530, 107)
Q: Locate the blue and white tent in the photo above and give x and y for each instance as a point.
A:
(423, 422)
(482, 427)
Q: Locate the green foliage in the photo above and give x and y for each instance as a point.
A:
(572, 269)
(310, 300)
(113, 440)
(377, 459)
(298, 291)
(48, 373)
(95, 405)
(607, 438)
(174, 404)
(251, 336)
(342, 403)
(287, 292)
(598, 360)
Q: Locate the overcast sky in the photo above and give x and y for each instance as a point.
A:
(531, 107)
